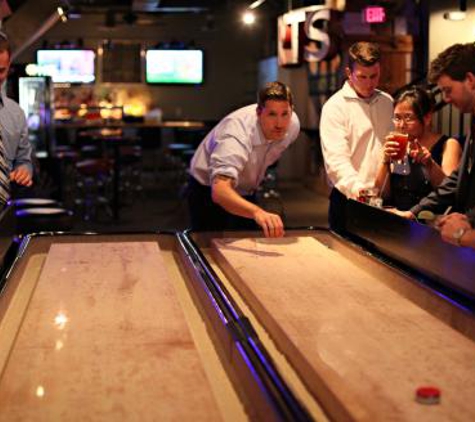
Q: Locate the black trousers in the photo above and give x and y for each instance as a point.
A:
(337, 211)
(205, 215)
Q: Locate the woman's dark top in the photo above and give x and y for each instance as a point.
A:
(407, 191)
(437, 150)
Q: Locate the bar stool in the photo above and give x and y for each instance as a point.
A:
(131, 169)
(113, 145)
(187, 156)
(23, 203)
(179, 157)
(91, 151)
(66, 157)
(43, 219)
(93, 187)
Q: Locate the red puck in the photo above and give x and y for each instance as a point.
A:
(428, 395)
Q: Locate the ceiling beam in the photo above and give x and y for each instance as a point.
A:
(31, 21)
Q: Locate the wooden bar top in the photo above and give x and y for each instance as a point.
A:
(102, 337)
(361, 348)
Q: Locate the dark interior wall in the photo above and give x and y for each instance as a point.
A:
(231, 57)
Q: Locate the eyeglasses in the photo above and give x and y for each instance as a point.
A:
(407, 118)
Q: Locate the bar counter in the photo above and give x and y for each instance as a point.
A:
(119, 124)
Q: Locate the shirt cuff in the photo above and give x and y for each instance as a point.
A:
(228, 172)
(416, 209)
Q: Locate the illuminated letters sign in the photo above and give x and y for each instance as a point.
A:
(303, 35)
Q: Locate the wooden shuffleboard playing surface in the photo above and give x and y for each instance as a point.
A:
(102, 337)
(360, 347)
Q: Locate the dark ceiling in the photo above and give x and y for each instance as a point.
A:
(15, 4)
(165, 6)
(159, 6)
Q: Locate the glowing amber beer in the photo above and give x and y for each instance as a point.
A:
(401, 139)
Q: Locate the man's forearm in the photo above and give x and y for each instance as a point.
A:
(441, 198)
(226, 196)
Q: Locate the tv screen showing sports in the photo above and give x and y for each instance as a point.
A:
(174, 66)
(67, 66)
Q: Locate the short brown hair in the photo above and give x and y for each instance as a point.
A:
(364, 53)
(274, 91)
(4, 43)
(455, 62)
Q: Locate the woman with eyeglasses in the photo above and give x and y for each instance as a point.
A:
(432, 156)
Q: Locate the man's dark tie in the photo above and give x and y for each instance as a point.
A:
(4, 175)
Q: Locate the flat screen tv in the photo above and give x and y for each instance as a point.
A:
(67, 66)
(174, 66)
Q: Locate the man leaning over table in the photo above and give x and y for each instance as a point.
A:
(231, 162)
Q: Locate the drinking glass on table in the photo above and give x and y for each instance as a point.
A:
(371, 196)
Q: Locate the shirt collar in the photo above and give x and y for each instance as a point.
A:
(258, 138)
(350, 93)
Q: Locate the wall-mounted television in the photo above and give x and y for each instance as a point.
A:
(67, 66)
(174, 66)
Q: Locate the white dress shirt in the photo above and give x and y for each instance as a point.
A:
(237, 148)
(352, 132)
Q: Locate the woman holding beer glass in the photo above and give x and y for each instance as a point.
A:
(411, 170)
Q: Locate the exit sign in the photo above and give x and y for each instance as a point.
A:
(374, 14)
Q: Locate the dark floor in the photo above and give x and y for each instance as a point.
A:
(160, 207)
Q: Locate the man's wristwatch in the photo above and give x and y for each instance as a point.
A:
(458, 235)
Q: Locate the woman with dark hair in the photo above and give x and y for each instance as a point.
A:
(432, 156)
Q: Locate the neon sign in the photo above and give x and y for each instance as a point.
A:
(374, 14)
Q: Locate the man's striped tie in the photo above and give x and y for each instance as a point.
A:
(4, 175)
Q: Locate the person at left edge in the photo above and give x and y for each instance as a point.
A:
(232, 160)
(13, 127)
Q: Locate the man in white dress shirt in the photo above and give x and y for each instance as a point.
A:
(232, 160)
(353, 125)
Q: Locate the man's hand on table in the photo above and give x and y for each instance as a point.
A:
(452, 227)
(270, 223)
(405, 214)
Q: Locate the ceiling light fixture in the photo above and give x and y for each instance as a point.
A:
(62, 14)
(248, 18)
(256, 4)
